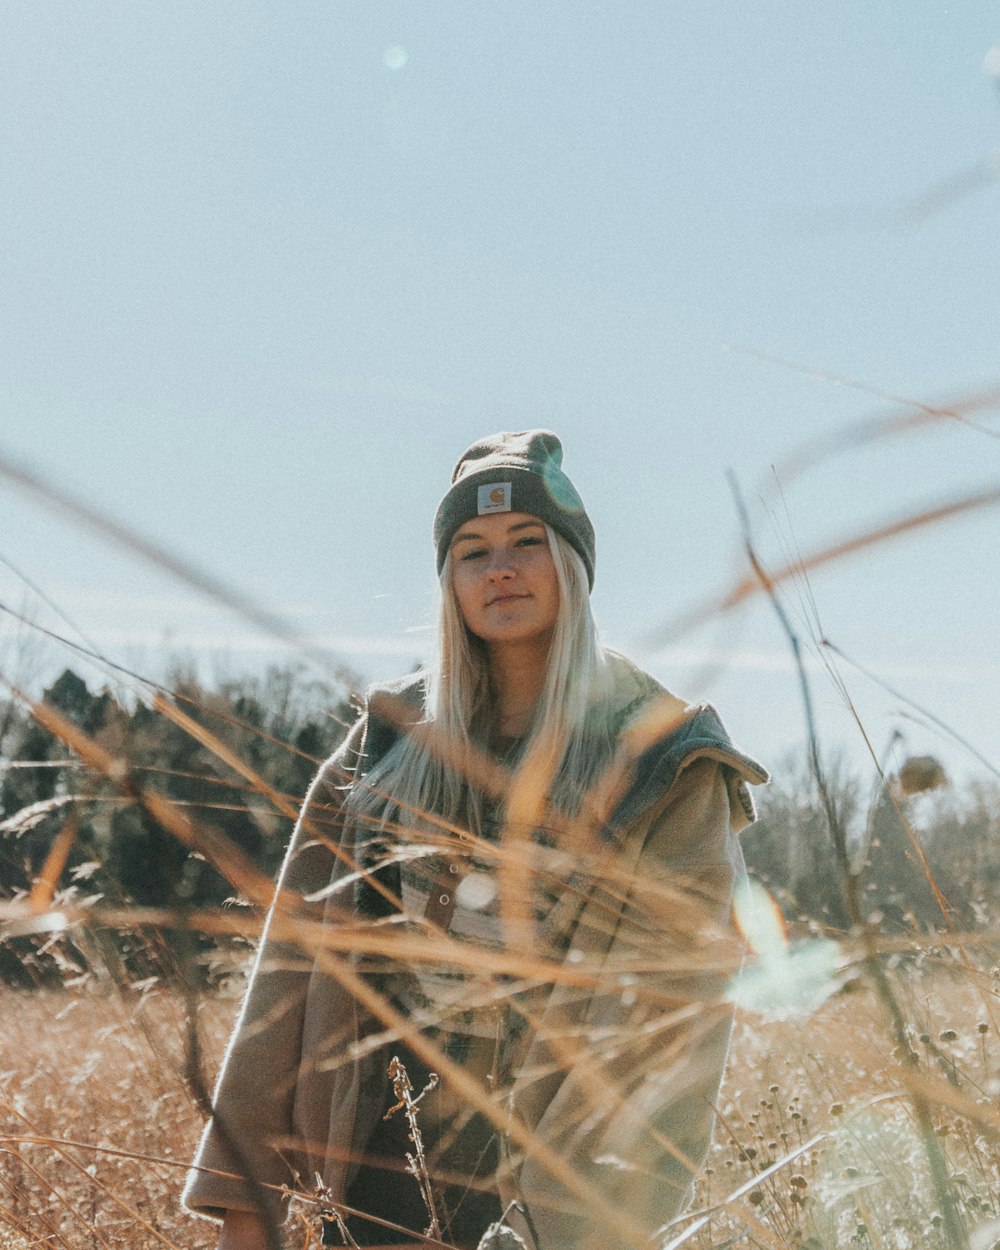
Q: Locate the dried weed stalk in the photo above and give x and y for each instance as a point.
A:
(416, 1163)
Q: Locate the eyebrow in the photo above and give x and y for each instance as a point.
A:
(521, 525)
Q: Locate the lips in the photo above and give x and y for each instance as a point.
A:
(504, 599)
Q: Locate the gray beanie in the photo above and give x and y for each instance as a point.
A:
(519, 472)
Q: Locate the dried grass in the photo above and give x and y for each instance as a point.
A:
(102, 1070)
(869, 1121)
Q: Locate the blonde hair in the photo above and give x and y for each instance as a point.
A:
(422, 772)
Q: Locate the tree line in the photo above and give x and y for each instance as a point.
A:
(920, 848)
(282, 725)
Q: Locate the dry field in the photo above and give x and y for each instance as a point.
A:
(868, 1120)
(99, 1070)
(824, 1098)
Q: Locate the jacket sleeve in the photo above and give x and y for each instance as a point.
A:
(252, 1104)
(640, 1062)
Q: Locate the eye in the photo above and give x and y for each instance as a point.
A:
(530, 540)
(475, 554)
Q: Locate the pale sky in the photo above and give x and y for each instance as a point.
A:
(267, 270)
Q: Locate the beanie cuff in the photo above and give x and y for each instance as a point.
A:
(551, 498)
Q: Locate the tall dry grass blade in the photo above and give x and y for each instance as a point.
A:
(481, 770)
(749, 586)
(26, 818)
(153, 553)
(45, 885)
(197, 731)
(941, 1091)
(946, 909)
(936, 1158)
(579, 1055)
(218, 748)
(853, 871)
(659, 718)
(18, 1235)
(46, 599)
(184, 1166)
(477, 1097)
(197, 1085)
(114, 1152)
(95, 656)
(949, 190)
(12, 765)
(878, 427)
(525, 811)
(314, 935)
(234, 865)
(704, 1217)
(283, 803)
(852, 877)
(910, 702)
(408, 1104)
(78, 1167)
(31, 1239)
(148, 684)
(95, 757)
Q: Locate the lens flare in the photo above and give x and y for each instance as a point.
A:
(782, 979)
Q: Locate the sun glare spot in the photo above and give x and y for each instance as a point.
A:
(759, 919)
(395, 57)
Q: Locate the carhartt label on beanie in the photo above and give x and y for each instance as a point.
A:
(494, 497)
(515, 472)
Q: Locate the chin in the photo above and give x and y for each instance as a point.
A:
(492, 637)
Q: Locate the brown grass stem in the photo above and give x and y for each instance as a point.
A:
(925, 712)
(149, 685)
(78, 1167)
(313, 935)
(955, 1227)
(704, 1216)
(747, 587)
(471, 1090)
(150, 552)
(61, 1199)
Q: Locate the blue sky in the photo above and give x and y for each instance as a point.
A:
(267, 271)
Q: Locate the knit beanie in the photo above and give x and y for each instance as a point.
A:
(519, 472)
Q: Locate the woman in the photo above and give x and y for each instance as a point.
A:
(515, 874)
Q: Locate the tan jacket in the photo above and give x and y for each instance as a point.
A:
(609, 1109)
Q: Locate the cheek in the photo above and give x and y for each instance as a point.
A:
(461, 589)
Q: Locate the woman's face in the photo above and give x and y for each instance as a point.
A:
(504, 578)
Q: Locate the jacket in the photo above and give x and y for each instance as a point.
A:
(608, 1109)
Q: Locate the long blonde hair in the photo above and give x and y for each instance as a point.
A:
(419, 773)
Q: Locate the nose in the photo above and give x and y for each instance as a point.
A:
(500, 566)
